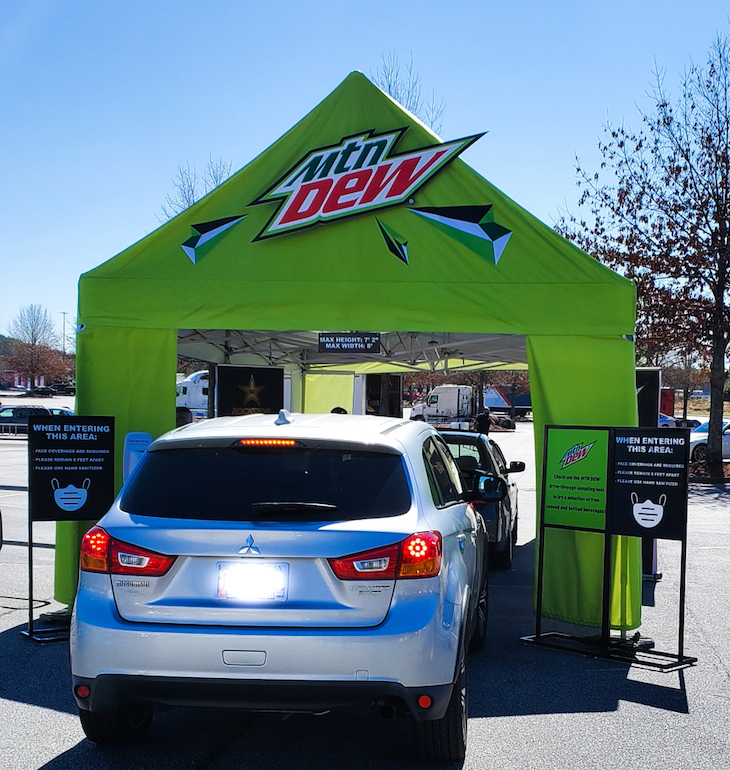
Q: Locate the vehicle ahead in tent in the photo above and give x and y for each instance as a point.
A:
(477, 454)
(290, 563)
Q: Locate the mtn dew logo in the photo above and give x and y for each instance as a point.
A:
(361, 173)
(575, 454)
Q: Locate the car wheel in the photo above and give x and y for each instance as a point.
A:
(479, 634)
(109, 728)
(699, 453)
(444, 740)
(503, 558)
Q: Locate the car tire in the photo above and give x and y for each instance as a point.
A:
(503, 558)
(444, 740)
(699, 453)
(115, 728)
(481, 619)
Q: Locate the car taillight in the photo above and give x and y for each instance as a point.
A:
(100, 552)
(94, 548)
(417, 556)
(421, 555)
(368, 565)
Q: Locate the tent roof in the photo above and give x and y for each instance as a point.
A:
(399, 269)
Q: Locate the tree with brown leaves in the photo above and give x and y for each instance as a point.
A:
(658, 211)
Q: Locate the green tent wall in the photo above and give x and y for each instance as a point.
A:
(577, 316)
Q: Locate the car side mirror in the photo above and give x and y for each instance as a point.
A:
(516, 466)
(491, 489)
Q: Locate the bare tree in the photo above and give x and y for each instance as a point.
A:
(33, 347)
(189, 187)
(34, 326)
(658, 210)
(405, 87)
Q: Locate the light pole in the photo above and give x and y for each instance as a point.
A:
(64, 314)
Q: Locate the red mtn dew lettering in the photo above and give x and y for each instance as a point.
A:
(359, 174)
(575, 453)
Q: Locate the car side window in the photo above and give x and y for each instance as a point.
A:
(501, 462)
(451, 467)
(443, 488)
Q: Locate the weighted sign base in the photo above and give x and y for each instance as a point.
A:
(636, 651)
(49, 629)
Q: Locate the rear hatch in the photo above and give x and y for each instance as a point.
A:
(252, 528)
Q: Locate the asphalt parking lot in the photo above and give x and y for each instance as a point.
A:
(529, 707)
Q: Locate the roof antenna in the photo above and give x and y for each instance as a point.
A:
(283, 418)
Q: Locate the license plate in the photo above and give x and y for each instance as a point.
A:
(253, 582)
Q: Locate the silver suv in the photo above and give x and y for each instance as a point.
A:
(292, 563)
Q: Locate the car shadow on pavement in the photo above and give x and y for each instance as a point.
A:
(33, 673)
(510, 677)
(223, 739)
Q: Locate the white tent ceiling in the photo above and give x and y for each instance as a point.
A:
(403, 350)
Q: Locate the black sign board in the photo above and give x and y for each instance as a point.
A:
(70, 467)
(644, 474)
(350, 342)
(649, 482)
(249, 390)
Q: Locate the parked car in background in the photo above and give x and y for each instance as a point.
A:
(690, 423)
(60, 410)
(475, 454)
(290, 563)
(665, 421)
(63, 388)
(42, 391)
(698, 442)
(14, 419)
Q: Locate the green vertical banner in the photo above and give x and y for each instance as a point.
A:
(576, 477)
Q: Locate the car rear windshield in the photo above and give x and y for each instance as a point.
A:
(226, 484)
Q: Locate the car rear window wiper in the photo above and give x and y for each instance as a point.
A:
(278, 507)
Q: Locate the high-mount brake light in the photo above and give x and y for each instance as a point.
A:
(267, 442)
(100, 552)
(418, 556)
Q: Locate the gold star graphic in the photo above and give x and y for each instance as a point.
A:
(252, 391)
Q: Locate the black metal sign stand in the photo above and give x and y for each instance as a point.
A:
(637, 650)
(70, 478)
(52, 626)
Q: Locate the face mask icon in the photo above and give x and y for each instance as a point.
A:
(648, 514)
(70, 498)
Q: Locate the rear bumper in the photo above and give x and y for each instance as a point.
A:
(110, 691)
(413, 651)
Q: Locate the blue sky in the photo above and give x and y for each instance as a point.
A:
(100, 102)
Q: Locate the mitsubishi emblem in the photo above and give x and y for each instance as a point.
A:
(249, 547)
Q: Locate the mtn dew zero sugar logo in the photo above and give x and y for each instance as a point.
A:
(576, 474)
(359, 174)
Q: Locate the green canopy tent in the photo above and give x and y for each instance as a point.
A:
(434, 248)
